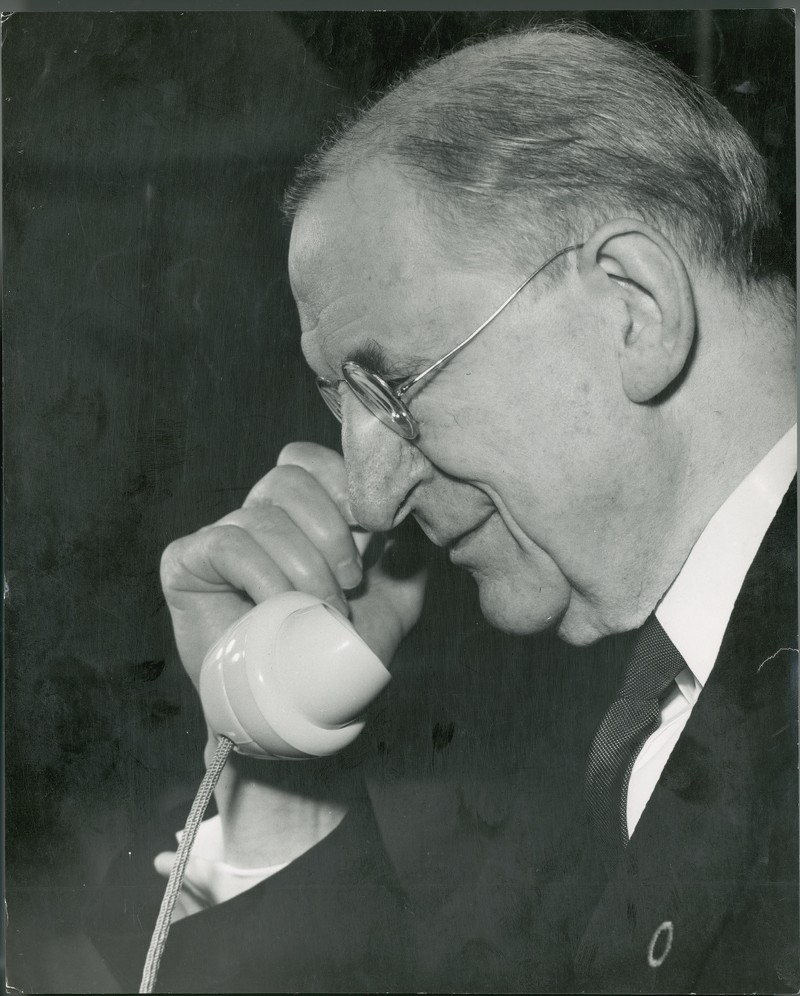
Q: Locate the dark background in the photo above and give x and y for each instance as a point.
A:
(153, 372)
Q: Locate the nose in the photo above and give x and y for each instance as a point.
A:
(382, 469)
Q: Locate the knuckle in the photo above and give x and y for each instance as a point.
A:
(329, 535)
(226, 534)
(171, 565)
(284, 481)
(292, 478)
(298, 452)
(182, 555)
(273, 520)
(202, 549)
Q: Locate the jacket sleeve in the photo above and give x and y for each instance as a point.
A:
(334, 920)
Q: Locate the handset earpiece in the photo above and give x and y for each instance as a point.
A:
(290, 680)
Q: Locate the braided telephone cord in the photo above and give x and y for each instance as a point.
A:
(199, 806)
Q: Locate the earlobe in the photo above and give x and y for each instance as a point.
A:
(641, 269)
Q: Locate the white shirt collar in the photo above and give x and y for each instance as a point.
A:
(697, 606)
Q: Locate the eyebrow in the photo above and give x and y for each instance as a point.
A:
(373, 357)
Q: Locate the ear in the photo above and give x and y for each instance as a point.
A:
(634, 263)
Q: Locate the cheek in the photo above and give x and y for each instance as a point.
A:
(448, 435)
(532, 439)
(552, 436)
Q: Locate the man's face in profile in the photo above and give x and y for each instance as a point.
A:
(522, 456)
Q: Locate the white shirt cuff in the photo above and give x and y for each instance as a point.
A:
(209, 880)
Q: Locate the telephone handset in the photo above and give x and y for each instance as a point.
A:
(290, 679)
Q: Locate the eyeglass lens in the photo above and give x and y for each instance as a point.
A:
(375, 395)
(330, 395)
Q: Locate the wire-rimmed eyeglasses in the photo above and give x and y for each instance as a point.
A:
(385, 400)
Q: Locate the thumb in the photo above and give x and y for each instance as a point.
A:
(389, 601)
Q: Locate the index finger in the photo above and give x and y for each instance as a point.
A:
(327, 466)
(305, 496)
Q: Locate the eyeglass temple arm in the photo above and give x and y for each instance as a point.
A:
(408, 384)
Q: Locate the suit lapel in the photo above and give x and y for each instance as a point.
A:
(683, 869)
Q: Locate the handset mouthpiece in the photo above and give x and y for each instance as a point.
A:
(290, 680)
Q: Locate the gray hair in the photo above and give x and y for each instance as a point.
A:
(553, 130)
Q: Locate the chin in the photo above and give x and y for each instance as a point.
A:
(579, 628)
(506, 608)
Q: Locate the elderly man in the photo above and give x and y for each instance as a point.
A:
(534, 288)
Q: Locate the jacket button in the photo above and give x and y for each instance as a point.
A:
(660, 944)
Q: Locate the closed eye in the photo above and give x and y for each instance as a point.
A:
(372, 357)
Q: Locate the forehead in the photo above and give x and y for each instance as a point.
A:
(366, 263)
(369, 224)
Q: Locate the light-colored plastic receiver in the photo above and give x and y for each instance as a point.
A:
(290, 679)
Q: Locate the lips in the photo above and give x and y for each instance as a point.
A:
(462, 541)
(446, 538)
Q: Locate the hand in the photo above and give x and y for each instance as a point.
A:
(293, 532)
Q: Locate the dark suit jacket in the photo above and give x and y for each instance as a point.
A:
(473, 884)
(706, 897)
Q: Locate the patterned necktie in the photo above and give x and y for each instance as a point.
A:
(631, 718)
